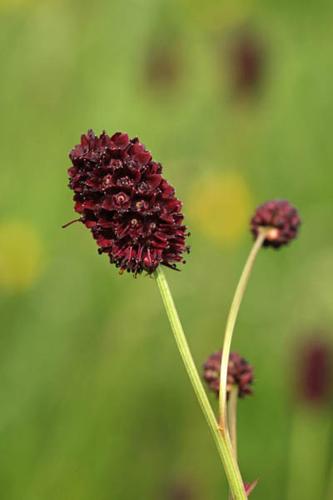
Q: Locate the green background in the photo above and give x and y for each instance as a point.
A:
(94, 401)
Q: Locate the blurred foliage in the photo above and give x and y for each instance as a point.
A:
(94, 400)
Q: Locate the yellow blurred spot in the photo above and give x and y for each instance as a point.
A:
(16, 4)
(220, 206)
(20, 256)
(216, 15)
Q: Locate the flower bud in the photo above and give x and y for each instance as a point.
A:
(240, 373)
(280, 221)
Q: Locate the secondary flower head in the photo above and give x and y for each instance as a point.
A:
(240, 373)
(280, 221)
(121, 196)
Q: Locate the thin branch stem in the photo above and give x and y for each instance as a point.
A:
(221, 438)
(232, 421)
(231, 324)
(232, 417)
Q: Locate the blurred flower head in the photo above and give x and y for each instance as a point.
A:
(163, 66)
(315, 371)
(20, 256)
(219, 206)
(240, 373)
(131, 210)
(246, 62)
(180, 490)
(281, 221)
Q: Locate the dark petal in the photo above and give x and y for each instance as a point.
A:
(120, 140)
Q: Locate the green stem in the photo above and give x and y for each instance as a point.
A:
(232, 417)
(232, 421)
(231, 324)
(221, 438)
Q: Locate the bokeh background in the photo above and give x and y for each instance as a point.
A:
(235, 99)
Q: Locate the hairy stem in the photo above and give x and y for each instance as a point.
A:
(231, 325)
(221, 437)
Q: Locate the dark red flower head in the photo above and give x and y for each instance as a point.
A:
(279, 219)
(240, 373)
(121, 196)
(315, 371)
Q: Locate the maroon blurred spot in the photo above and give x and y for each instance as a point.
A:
(163, 66)
(314, 374)
(246, 62)
(181, 490)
